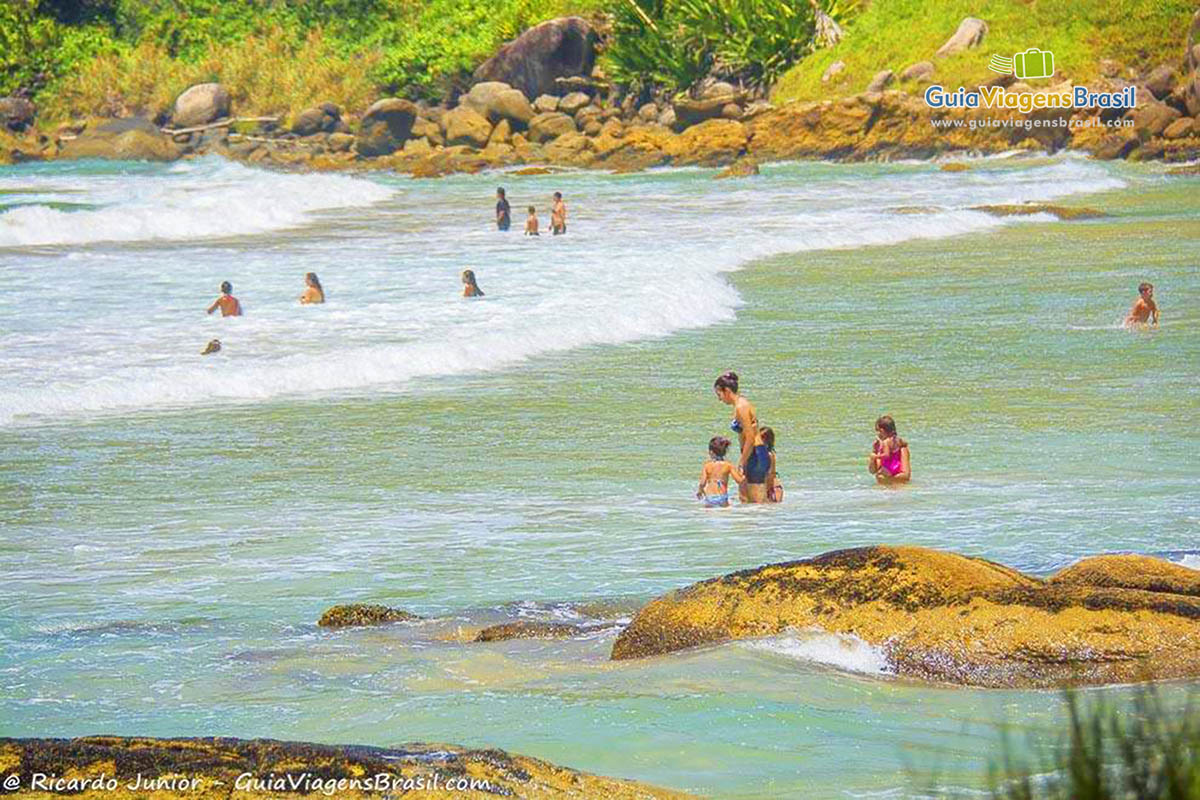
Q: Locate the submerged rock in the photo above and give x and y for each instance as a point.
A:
(362, 614)
(1062, 212)
(527, 630)
(223, 767)
(940, 617)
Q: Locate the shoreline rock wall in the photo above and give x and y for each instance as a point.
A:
(948, 618)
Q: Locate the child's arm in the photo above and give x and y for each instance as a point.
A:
(737, 474)
(1154, 311)
(703, 480)
(771, 477)
(216, 304)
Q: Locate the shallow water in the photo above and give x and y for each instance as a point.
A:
(174, 525)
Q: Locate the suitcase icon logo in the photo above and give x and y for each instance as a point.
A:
(1033, 63)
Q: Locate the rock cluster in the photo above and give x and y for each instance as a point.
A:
(943, 617)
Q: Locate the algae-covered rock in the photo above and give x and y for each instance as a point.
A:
(938, 616)
(712, 143)
(128, 139)
(220, 768)
(1129, 571)
(362, 614)
(1026, 209)
(744, 167)
(527, 630)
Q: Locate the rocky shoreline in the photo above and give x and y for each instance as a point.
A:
(532, 108)
(117, 767)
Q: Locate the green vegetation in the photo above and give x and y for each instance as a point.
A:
(676, 43)
(110, 56)
(1147, 751)
(893, 34)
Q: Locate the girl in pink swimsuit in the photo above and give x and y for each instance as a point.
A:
(889, 460)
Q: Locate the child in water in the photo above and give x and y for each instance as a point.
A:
(889, 461)
(229, 305)
(715, 475)
(1144, 308)
(774, 485)
(470, 287)
(531, 224)
(313, 293)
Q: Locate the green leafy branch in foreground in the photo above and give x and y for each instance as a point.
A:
(1141, 752)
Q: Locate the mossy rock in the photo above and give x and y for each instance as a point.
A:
(216, 769)
(353, 614)
(1062, 212)
(944, 617)
(528, 630)
(1129, 571)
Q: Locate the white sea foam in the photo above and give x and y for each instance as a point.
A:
(1189, 560)
(840, 650)
(103, 327)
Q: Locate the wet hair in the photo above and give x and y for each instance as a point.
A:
(718, 445)
(887, 424)
(727, 380)
(558, 195)
(468, 277)
(226, 287)
(532, 210)
(768, 437)
(313, 281)
(500, 191)
(1143, 286)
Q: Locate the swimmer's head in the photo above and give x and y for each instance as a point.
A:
(718, 445)
(768, 437)
(468, 277)
(312, 280)
(532, 210)
(500, 192)
(1145, 289)
(558, 195)
(726, 386)
(226, 287)
(886, 426)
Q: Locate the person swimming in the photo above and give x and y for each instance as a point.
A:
(470, 287)
(531, 224)
(230, 306)
(214, 346)
(1144, 308)
(889, 460)
(313, 293)
(755, 459)
(774, 485)
(715, 475)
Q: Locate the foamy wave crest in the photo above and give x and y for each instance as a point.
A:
(1189, 560)
(840, 650)
(197, 200)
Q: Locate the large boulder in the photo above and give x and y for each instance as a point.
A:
(319, 119)
(16, 113)
(127, 139)
(692, 111)
(572, 102)
(1152, 118)
(386, 126)
(200, 105)
(466, 126)
(1161, 81)
(558, 48)
(943, 617)
(550, 125)
(969, 34)
(713, 143)
(1130, 571)
(498, 101)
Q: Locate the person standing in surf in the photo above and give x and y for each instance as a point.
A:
(313, 293)
(558, 215)
(889, 461)
(503, 212)
(715, 475)
(755, 460)
(229, 305)
(1144, 308)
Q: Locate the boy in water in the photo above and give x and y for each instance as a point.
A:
(1144, 307)
(503, 213)
(558, 215)
(531, 224)
(229, 305)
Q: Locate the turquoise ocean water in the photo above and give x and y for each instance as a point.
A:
(173, 526)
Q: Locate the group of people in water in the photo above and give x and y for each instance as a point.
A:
(756, 472)
(230, 306)
(558, 215)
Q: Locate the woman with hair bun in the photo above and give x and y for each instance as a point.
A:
(715, 475)
(755, 460)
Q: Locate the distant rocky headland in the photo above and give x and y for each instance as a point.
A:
(539, 101)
